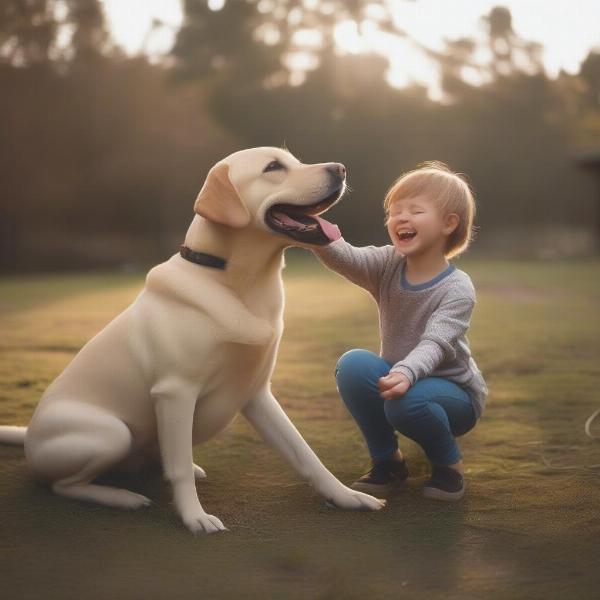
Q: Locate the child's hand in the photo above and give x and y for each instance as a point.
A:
(393, 385)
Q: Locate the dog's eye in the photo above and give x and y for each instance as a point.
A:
(274, 165)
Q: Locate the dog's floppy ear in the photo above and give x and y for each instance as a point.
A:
(219, 201)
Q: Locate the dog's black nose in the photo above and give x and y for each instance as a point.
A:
(337, 169)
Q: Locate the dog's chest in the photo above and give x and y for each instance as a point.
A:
(243, 370)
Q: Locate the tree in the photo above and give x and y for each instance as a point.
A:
(93, 144)
(256, 42)
(50, 32)
(504, 121)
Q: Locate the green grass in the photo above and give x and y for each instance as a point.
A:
(527, 528)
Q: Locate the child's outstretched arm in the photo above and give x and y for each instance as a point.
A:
(363, 266)
(438, 342)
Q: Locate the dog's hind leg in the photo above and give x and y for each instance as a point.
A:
(101, 494)
(89, 443)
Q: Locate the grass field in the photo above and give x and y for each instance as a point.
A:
(529, 526)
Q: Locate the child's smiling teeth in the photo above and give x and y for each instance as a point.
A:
(407, 234)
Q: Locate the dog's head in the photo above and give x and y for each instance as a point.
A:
(270, 189)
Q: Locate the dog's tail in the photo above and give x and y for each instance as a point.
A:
(12, 434)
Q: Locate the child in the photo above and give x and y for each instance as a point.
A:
(424, 384)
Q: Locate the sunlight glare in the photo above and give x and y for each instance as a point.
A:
(348, 38)
(409, 65)
(311, 4)
(131, 24)
(307, 38)
(265, 6)
(268, 34)
(300, 61)
(295, 16)
(472, 76)
(150, 26)
(216, 5)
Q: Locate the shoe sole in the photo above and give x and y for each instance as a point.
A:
(378, 490)
(437, 494)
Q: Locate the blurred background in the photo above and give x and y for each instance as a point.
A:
(111, 113)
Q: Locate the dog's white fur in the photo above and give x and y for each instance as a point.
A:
(197, 346)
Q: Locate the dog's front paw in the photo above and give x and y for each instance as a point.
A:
(349, 499)
(199, 473)
(202, 522)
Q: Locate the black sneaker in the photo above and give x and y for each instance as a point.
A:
(444, 484)
(384, 477)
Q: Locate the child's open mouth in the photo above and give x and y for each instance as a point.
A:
(406, 235)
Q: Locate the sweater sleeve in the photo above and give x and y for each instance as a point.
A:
(439, 340)
(363, 266)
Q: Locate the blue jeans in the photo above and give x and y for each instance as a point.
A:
(433, 412)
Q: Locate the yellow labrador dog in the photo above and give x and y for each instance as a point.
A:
(197, 346)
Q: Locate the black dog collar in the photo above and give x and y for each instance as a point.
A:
(206, 260)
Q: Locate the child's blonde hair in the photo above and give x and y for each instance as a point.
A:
(449, 190)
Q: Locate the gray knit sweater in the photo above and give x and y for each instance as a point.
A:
(422, 327)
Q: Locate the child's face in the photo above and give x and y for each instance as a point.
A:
(417, 226)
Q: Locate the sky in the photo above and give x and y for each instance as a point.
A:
(567, 29)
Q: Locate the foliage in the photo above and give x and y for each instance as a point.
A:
(512, 134)
(103, 154)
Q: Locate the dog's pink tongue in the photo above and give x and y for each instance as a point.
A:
(331, 230)
(287, 220)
